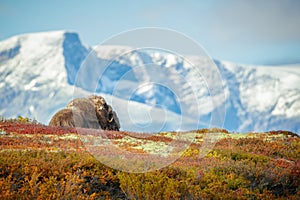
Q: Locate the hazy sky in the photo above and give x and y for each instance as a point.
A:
(252, 32)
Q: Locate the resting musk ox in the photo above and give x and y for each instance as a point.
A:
(90, 112)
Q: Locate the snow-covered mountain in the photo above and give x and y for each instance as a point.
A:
(40, 73)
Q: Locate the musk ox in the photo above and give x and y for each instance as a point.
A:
(91, 112)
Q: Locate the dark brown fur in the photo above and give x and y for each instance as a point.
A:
(91, 112)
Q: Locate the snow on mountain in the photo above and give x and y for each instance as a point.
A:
(262, 98)
(153, 78)
(33, 75)
(38, 72)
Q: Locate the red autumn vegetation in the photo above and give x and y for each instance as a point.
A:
(41, 162)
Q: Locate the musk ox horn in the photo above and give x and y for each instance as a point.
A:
(111, 120)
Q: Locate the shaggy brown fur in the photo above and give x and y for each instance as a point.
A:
(90, 112)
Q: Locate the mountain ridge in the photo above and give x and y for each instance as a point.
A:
(40, 69)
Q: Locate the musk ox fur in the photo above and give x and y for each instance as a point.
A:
(91, 112)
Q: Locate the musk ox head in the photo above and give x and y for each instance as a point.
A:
(90, 112)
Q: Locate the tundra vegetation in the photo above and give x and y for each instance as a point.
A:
(44, 162)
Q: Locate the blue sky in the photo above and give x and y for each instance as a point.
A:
(251, 32)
